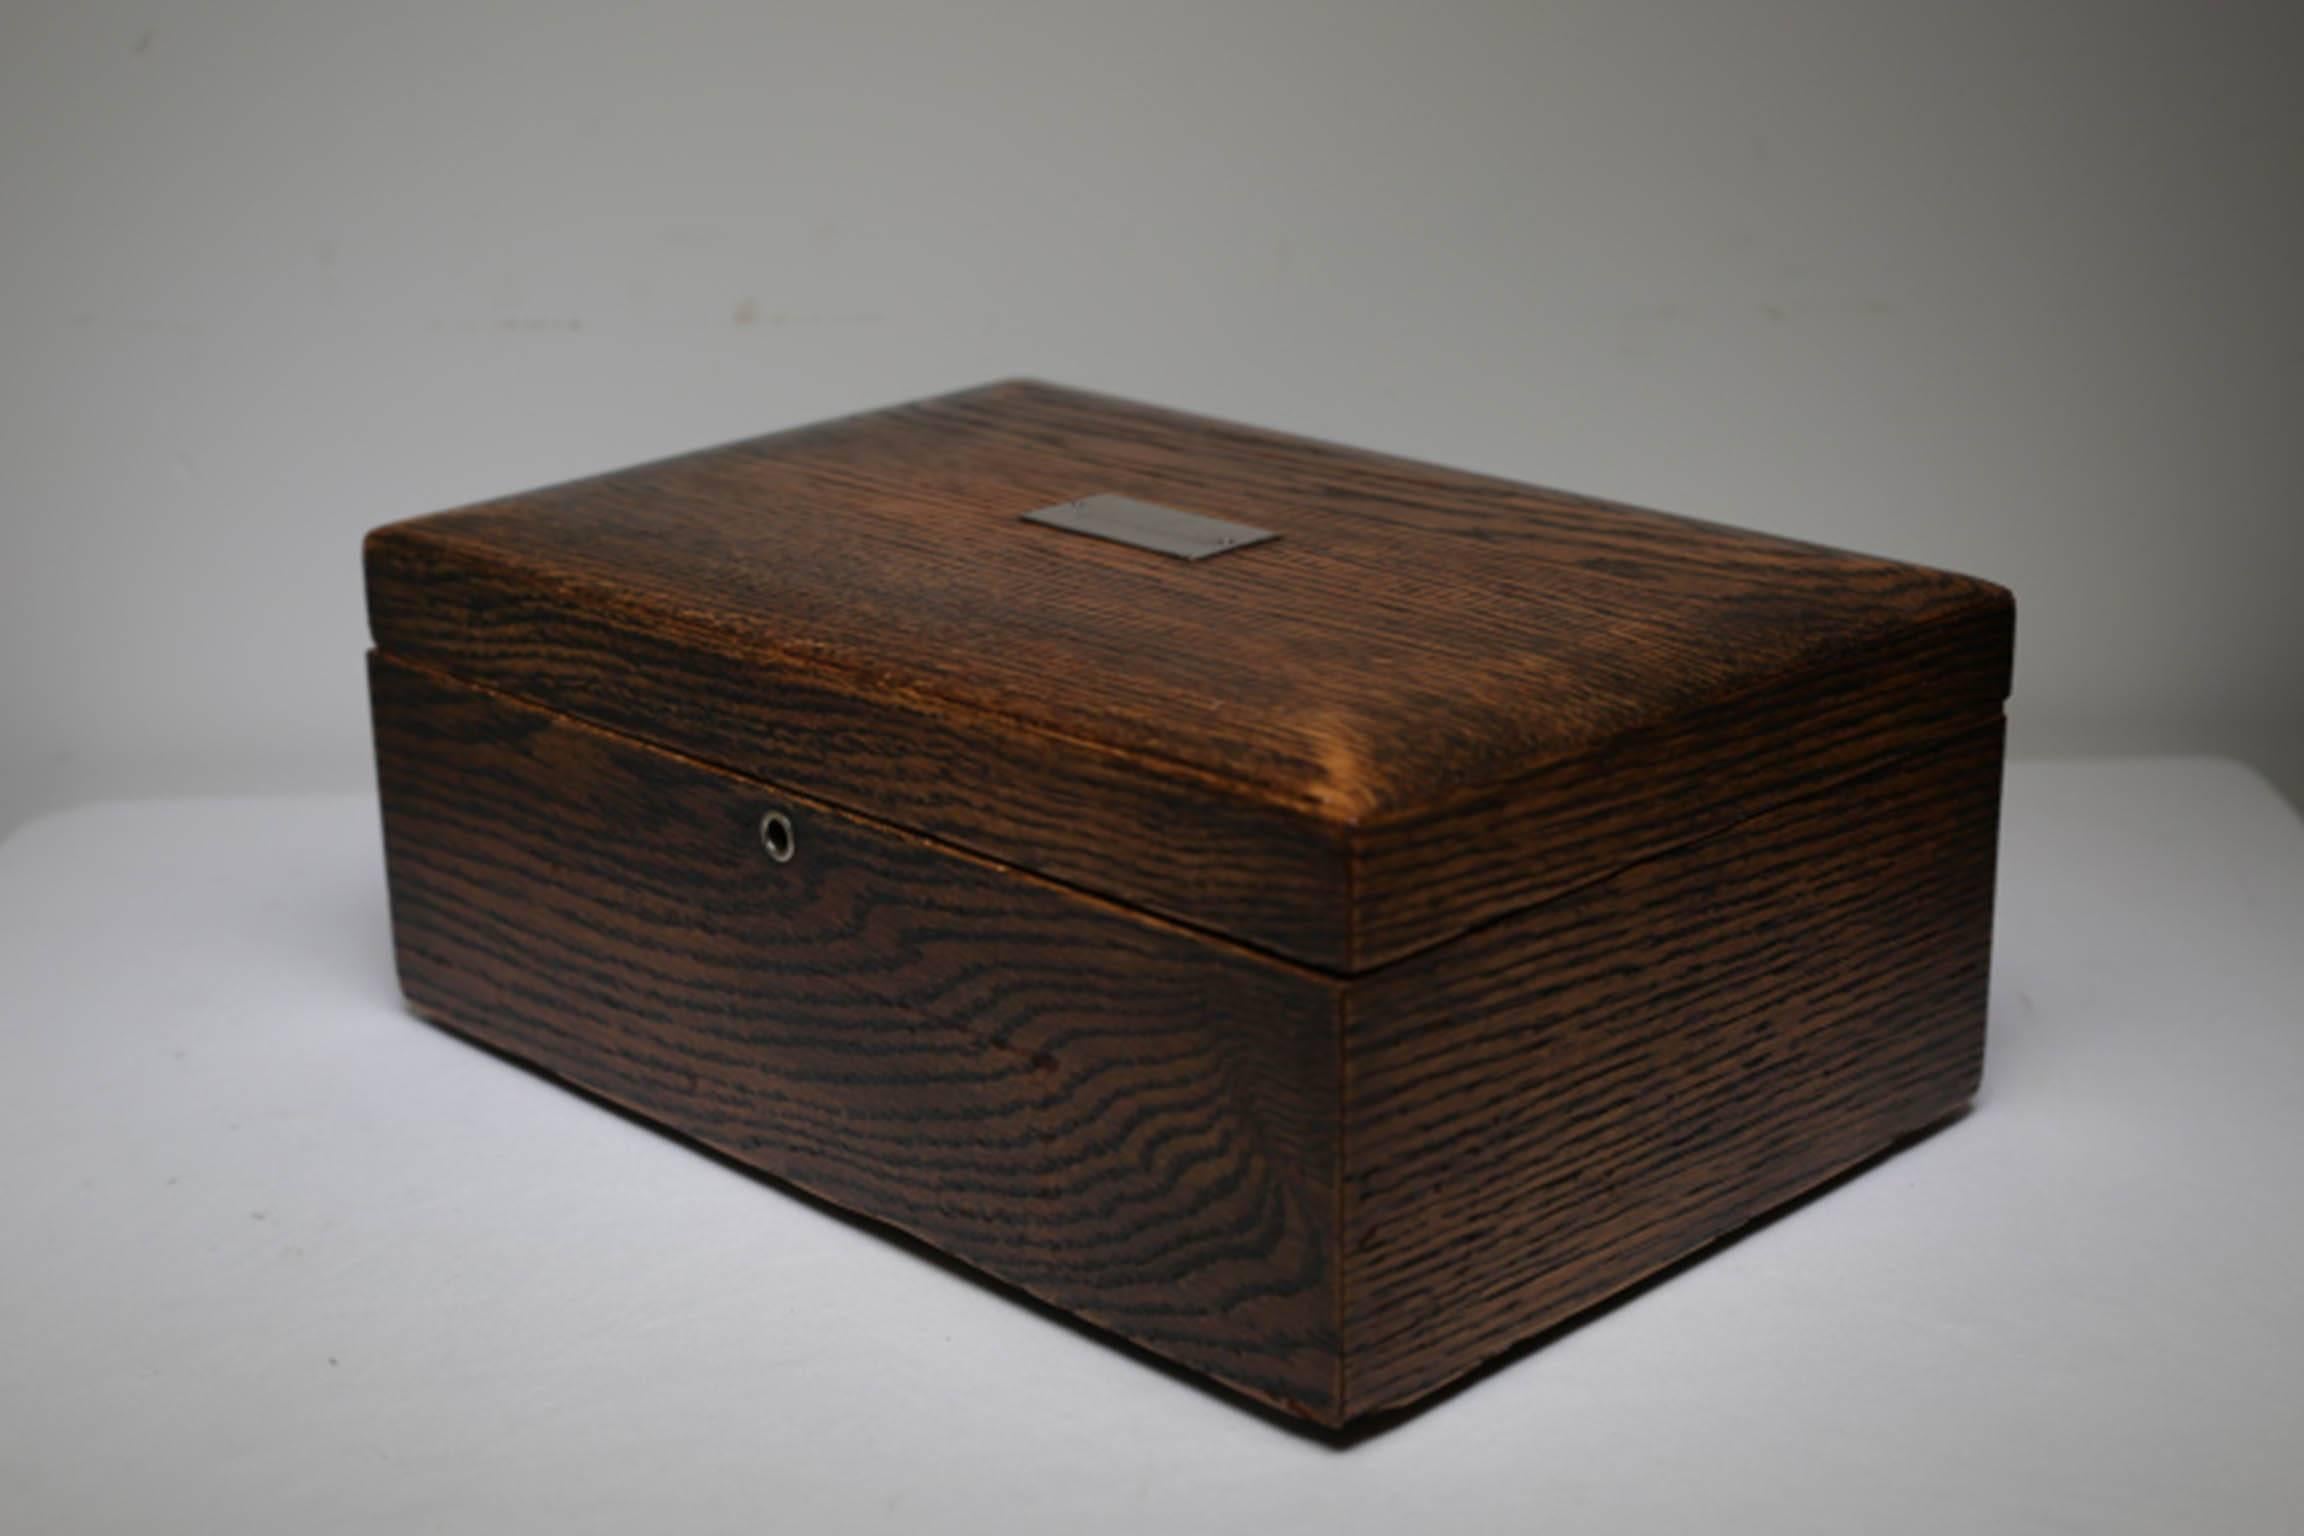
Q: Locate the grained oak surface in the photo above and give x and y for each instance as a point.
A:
(1125, 1120)
(1570, 1099)
(1270, 744)
(1326, 964)
(1333, 1194)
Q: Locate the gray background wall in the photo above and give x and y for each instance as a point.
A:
(2011, 288)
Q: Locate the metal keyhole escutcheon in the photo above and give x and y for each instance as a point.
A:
(776, 836)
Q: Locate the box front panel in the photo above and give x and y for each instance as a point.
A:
(1121, 1118)
(1560, 1104)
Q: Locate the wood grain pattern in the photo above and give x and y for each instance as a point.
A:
(1423, 879)
(1105, 823)
(1130, 1122)
(1333, 1195)
(1325, 965)
(1568, 1100)
(1424, 660)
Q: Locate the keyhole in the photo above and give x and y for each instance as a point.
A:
(776, 836)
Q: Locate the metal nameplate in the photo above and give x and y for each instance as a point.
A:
(1148, 525)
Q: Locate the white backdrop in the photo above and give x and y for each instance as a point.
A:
(2009, 287)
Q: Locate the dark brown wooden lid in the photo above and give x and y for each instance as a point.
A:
(859, 610)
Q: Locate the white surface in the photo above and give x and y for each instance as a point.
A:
(2005, 285)
(281, 1259)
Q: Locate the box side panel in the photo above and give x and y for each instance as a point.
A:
(1121, 1118)
(1143, 831)
(1558, 1105)
(1422, 879)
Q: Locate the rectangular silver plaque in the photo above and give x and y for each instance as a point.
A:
(1148, 525)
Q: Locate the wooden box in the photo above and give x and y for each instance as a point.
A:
(1324, 959)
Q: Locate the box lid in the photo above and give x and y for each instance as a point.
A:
(1430, 698)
